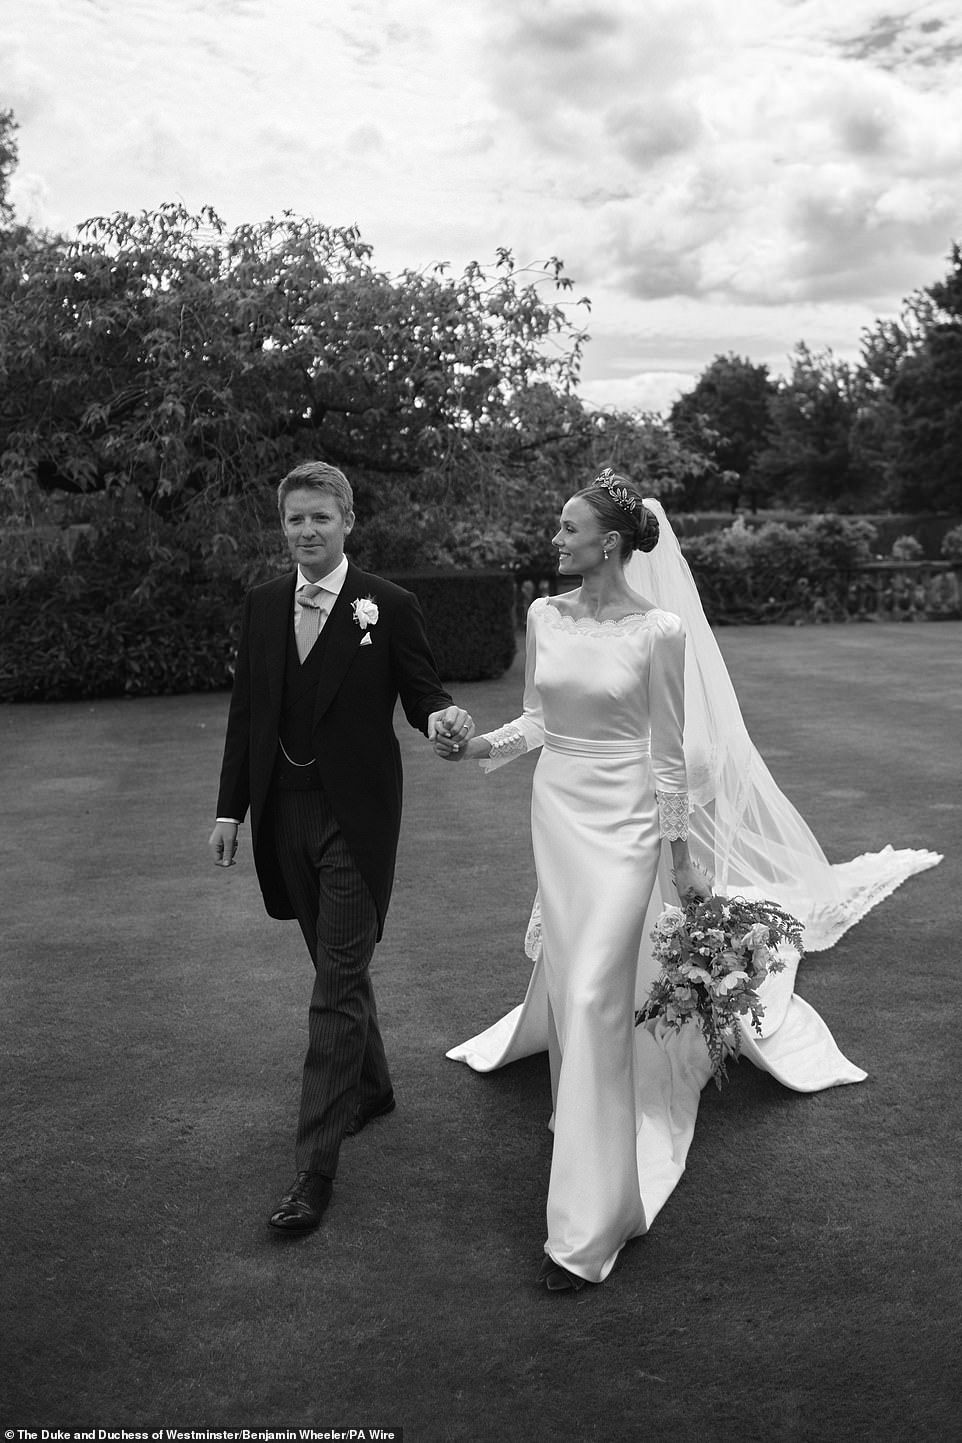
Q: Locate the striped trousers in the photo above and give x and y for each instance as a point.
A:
(345, 1065)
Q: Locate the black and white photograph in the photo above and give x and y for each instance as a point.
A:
(481, 716)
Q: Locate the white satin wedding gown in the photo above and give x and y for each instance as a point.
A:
(605, 702)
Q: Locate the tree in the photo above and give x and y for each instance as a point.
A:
(557, 447)
(927, 396)
(911, 423)
(811, 460)
(160, 351)
(725, 418)
(8, 163)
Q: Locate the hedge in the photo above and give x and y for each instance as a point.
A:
(138, 611)
(775, 572)
(125, 617)
(928, 528)
(470, 620)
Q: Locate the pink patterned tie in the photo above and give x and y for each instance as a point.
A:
(310, 618)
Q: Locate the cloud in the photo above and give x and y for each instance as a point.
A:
(24, 87)
(30, 199)
(643, 391)
(740, 171)
(645, 132)
(742, 149)
(365, 139)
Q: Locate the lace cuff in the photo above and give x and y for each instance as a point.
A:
(673, 815)
(507, 743)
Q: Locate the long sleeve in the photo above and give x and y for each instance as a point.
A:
(667, 710)
(415, 671)
(526, 732)
(233, 797)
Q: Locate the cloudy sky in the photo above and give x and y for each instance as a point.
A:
(718, 175)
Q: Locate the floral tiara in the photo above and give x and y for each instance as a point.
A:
(619, 494)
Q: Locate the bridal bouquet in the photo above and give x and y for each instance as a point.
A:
(714, 953)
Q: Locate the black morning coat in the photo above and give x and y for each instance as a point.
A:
(354, 741)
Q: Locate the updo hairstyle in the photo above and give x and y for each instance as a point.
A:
(618, 506)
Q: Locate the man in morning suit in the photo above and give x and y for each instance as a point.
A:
(324, 654)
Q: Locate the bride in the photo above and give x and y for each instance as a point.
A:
(645, 759)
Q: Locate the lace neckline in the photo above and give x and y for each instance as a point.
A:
(589, 623)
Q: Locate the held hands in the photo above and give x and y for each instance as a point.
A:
(223, 844)
(448, 749)
(450, 731)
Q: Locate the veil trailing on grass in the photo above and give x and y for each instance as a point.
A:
(742, 825)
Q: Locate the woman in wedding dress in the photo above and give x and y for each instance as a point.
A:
(643, 753)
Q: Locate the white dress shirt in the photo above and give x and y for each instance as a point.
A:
(331, 584)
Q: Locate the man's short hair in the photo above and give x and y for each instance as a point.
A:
(317, 476)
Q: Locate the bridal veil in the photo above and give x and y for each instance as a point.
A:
(742, 825)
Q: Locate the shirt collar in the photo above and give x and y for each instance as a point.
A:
(333, 581)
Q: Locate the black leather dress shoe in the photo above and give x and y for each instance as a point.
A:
(304, 1204)
(363, 1115)
(557, 1279)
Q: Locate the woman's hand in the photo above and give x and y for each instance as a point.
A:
(691, 882)
(448, 749)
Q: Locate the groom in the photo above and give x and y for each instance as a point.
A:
(324, 653)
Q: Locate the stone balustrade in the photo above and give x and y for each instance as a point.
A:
(874, 591)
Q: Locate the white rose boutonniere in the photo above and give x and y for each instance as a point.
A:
(365, 612)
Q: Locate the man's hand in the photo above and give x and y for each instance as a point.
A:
(453, 726)
(223, 843)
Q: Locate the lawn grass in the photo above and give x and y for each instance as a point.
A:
(804, 1281)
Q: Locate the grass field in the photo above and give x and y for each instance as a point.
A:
(804, 1281)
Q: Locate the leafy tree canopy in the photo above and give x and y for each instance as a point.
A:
(8, 163)
(812, 460)
(164, 352)
(166, 361)
(726, 417)
(925, 396)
